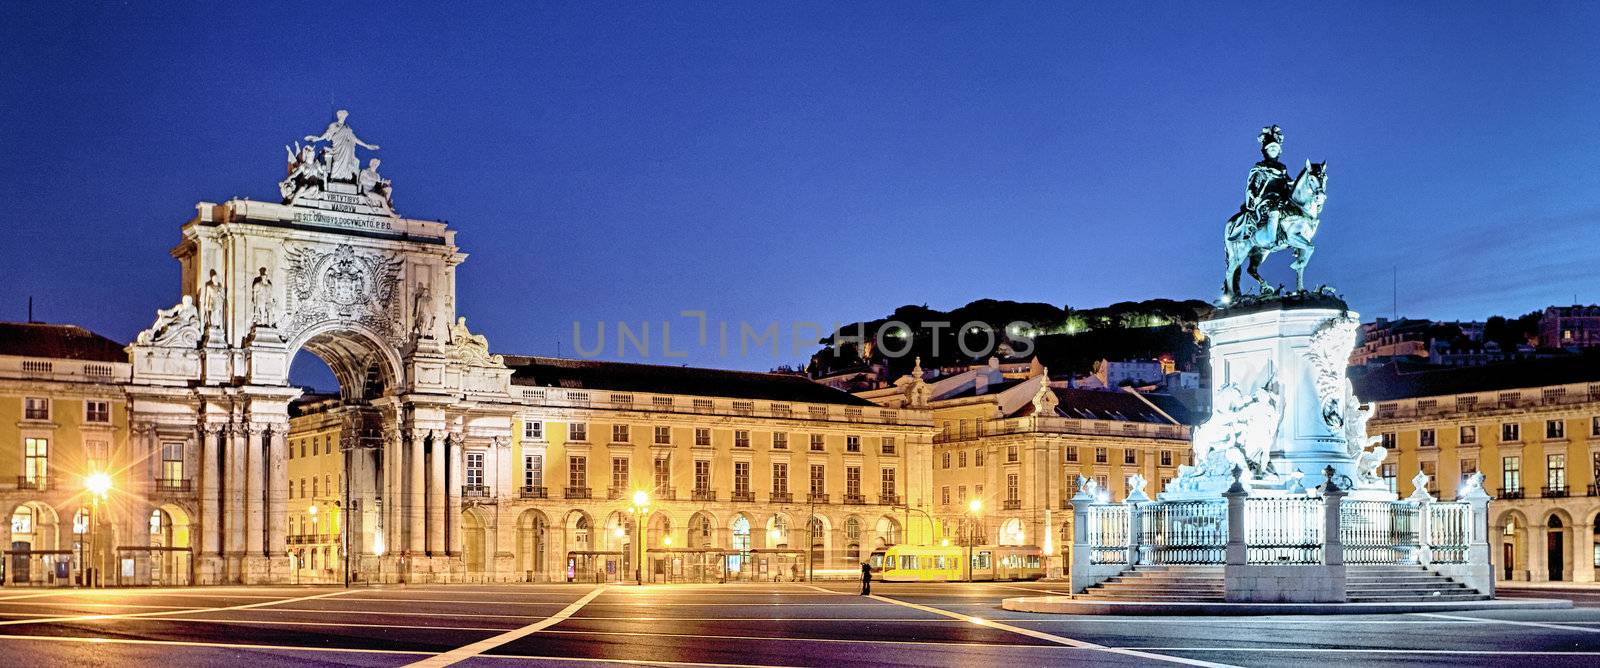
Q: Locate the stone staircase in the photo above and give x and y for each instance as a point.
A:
(1399, 583)
(1363, 584)
(1161, 582)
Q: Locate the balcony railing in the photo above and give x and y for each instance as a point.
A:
(577, 492)
(1556, 492)
(170, 485)
(782, 497)
(816, 498)
(747, 496)
(705, 495)
(1060, 425)
(535, 492)
(1012, 504)
(40, 483)
(476, 491)
(889, 499)
(1512, 493)
(855, 500)
(664, 494)
(615, 493)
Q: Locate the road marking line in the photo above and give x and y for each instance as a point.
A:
(468, 651)
(128, 615)
(1491, 620)
(1373, 650)
(868, 641)
(1060, 640)
(205, 620)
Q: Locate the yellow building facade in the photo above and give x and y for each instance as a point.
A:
(1532, 429)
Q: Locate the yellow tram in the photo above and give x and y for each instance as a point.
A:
(913, 563)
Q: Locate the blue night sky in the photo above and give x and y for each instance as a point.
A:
(813, 162)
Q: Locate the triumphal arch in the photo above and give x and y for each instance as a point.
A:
(333, 270)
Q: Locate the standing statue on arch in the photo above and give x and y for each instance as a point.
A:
(1277, 214)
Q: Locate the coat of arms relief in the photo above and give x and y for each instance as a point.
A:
(342, 284)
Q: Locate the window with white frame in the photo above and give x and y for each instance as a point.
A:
(663, 472)
(741, 478)
(474, 469)
(578, 431)
(741, 438)
(817, 443)
(577, 471)
(1427, 438)
(619, 433)
(1554, 429)
(35, 460)
(852, 443)
(97, 453)
(888, 445)
(1391, 476)
(533, 470)
(36, 408)
(819, 479)
(619, 473)
(961, 459)
(780, 440)
(1555, 472)
(886, 479)
(1469, 434)
(172, 461)
(852, 481)
(702, 436)
(1388, 439)
(97, 411)
(1511, 473)
(663, 435)
(702, 475)
(533, 430)
(1013, 490)
(1510, 432)
(780, 478)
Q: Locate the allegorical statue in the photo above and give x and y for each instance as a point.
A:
(377, 189)
(262, 305)
(422, 312)
(342, 142)
(211, 301)
(1278, 214)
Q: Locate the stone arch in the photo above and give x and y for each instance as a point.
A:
(533, 545)
(741, 537)
(365, 365)
(658, 530)
(778, 531)
(171, 532)
(475, 545)
(580, 531)
(1013, 532)
(886, 532)
(820, 530)
(1511, 557)
(1558, 552)
(854, 536)
(701, 531)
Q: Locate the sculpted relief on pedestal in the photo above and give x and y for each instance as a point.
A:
(343, 285)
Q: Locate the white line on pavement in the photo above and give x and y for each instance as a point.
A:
(1060, 640)
(1371, 650)
(468, 651)
(1491, 620)
(127, 615)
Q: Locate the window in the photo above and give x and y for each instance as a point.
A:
(96, 411)
(741, 438)
(1594, 426)
(1390, 475)
(977, 457)
(946, 460)
(577, 471)
(1099, 455)
(977, 491)
(702, 436)
(35, 408)
(1427, 438)
(302, 488)
(741, 478)
(1468, 467)
(1510, 432)
(1388, 440)
(619, 473)
(817, 443)
(302, 447)
(852, 481)
(35, 460)
(1555, 472)
(780, 440)
(1430, 469)
(80, 522)
(474, 470)
(533, 470)
(533, 430)
(1072, 453)
(1012, 492)
(578, 431)
(819, 485)
(961, 494)
(1130, 456)
(888, 487)
(316, 487)
(702, 475)
(1166, 458)
(1511, 473)
(1594, 466)
(1469, 434)
(663, 435)
(97, 453)
(619, 433)
(663, 473)
(962, 458)
(780, 478)
(327, 444)
(172, 461)
(888, 445)
(22, 520)
(944, 495)
(852, 443)
(1555, 429)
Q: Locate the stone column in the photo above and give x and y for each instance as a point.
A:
(210, 535)
(436, 493)
(234, 489)
(1081, 549)
(1538, 559)
(1583, 564)
(389, 489)
(452, 489)
(277, 491)
(254, 495)
(416, 518)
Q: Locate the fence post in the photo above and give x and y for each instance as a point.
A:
(1332, 539)
(1082, 551)
(1138, 502)
(1419, 500)
(1236, 494)
(1480, 570)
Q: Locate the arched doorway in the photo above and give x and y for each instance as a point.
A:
(817, 530)
(1555, 548)
(33, 531)
(740, 534)
(532, 545)
(1511, 530)
(852, 540)
(1012, 532)
(170, 555)
(888, 532)
(474, 549)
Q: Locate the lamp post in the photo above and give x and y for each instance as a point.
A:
(973, 508)
(641, 506)
(98, 486)
(316, 532)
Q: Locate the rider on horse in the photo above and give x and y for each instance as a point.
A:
(1267, 192)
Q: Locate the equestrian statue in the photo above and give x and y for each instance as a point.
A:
(1277, 214)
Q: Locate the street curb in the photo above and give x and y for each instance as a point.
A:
(1066, 605)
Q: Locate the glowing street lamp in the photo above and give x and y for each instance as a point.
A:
(98, 485)
(641, 507)
(974, 507)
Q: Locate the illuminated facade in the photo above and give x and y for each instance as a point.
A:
(1532, 428)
